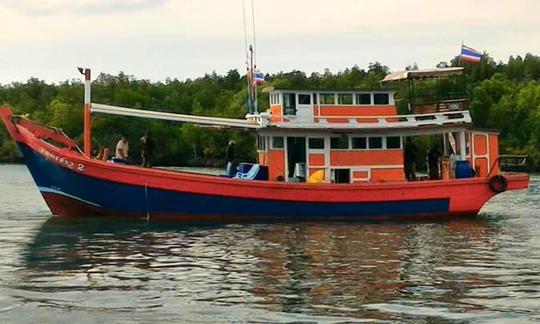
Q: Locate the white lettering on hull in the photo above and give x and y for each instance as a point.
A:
(62, 161)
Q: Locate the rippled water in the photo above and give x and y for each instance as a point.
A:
(87, 270)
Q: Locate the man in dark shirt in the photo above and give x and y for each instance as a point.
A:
(409, 157)
(147, 150)
(433, 157)
(230, 160)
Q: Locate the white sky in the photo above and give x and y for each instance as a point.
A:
(155, 39)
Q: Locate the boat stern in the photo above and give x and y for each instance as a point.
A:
(515, 180)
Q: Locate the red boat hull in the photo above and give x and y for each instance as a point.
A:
(75, 185)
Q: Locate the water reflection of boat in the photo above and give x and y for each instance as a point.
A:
(280, 267)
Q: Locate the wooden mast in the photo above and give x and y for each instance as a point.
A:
(87, 112)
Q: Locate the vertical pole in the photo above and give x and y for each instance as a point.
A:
(87, 113)
(445, 144)
(459, 56)
(253, 84)
(462, 146)
(250, 80)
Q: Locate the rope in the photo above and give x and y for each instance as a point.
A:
(254, 33)
(246, 49)
(255, 103)
(147, 202)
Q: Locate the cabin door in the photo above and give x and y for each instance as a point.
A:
(296, 158)
(304, 106)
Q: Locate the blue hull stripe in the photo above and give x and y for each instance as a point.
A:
(116, 197)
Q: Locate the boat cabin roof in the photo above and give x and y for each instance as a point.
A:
(324, 91)
(260, 121)
(422, 74)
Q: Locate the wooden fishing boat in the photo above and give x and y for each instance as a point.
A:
(326, 155)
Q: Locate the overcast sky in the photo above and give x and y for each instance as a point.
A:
(156, 39)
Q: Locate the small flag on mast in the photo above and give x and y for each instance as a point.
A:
(258, 77)
(469, 54)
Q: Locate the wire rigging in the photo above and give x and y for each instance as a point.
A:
(251, 57)
(254, 55)
(246, 48)
(254, 33)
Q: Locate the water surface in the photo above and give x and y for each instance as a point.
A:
(485, 269)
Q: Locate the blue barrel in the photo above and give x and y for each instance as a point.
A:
(464, 170)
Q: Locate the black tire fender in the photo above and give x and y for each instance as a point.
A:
(498, 183)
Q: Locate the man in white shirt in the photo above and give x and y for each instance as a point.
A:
(122, 148)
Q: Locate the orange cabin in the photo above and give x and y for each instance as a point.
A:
(296, 151)
(357, 136)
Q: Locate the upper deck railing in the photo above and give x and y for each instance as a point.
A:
(434, 103)
(264, 120)
(371, 122)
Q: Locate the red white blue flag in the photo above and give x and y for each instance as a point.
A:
(469, 54)
(258, 77)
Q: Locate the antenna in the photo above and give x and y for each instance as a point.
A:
(251, 60)
(248, 72)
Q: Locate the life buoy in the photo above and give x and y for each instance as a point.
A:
(498, 183)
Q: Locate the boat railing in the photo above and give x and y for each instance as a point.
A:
(440, 106)
(53, 135)
(416, 120)
(514, 162)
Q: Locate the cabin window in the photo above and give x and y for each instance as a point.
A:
(340, 143)
(345, 99)
(381, 98)
(289, 99)
(328, 99)
(274, 99)
(261, 143)
(277, 142)
(393, 142)
(342, 175)
(304, 99)
(289, 103)
(363, 99)
(359, 143)
(316, 144)
(314, 98)
(375, 143)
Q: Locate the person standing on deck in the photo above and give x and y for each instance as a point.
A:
(230, 160)
(409, 157)
(434, 160)
(122, 149)
(452, 164)
(147, 150)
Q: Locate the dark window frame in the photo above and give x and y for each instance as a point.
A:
(316, 147)
(359, 101)
(370, 138)
(304, 95)
(394, 148)
(353, 139)
(377, 96)
(338, 146)
(278, 147)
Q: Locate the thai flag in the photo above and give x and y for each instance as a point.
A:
(469, 54)
(258, 77)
